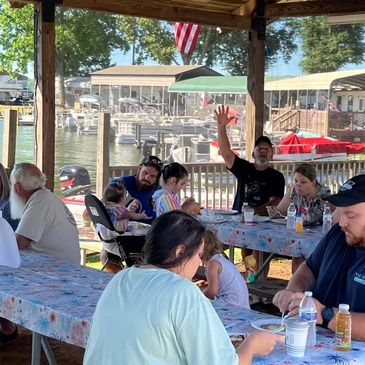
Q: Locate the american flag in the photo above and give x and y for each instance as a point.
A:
(330, 104)
(204, 99)
(186, 37)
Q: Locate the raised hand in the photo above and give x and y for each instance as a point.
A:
(222, 116)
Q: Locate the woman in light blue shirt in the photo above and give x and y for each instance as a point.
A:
(154, 314)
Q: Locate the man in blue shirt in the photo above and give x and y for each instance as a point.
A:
(141, 186)
(335, 272)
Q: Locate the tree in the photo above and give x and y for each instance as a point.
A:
(84, 40)
(155, 40)
(230, 49)
(149, 39)
(327, 48)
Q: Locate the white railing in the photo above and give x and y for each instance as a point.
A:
(214, 186)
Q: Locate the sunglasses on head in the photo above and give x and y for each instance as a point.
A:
(152, 160)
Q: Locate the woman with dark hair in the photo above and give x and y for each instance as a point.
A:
(307, 195)
(174, 177)
(154, 314)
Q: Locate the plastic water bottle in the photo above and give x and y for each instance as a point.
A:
(343, 328)
(290, 215)
(244, 207)
(308, 312)
(327, 219)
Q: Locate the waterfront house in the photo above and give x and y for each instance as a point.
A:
(147, 84)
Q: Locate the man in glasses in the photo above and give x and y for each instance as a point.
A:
(141, 186)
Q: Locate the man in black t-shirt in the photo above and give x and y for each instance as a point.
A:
(335, 272)
(258, 184)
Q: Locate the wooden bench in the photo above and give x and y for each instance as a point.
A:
(264, 291)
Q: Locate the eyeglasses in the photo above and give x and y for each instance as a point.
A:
(152, 160)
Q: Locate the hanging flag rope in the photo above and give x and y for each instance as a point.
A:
(186, 37)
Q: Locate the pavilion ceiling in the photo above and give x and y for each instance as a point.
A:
(234, 14)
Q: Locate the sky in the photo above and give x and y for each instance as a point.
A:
(280, 68)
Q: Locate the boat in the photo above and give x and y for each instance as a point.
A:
(26, 120)
(297, 147)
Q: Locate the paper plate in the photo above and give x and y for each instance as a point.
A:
(279, 221)
(261, 219)
(212, 220)
(271, 325)
(226, 212)
(137, 228)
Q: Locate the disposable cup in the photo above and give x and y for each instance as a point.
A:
(296, 336)
(248, 214)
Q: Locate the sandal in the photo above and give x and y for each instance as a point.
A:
(6, 339)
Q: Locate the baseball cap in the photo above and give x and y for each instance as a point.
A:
(350, 193)
(263, 139)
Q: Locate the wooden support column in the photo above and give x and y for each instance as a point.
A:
(255, 82)
(9, 138)
(45, 89)
(102, 154)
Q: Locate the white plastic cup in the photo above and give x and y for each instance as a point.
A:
(248, 214)
(296, 334)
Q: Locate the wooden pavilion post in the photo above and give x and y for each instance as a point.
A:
(45, 88)
(9, 138)
(255, 80)
(102, 153)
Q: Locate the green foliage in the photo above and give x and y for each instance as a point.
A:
(154, 40)
(84, 39)
(328, 48)
(230, 49)
(16, 38)
(149, 39)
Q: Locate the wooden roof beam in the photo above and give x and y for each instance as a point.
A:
(151, 9)
(16, 4)
(314, 8)
(246, 9)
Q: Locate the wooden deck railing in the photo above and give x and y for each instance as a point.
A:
(214, 186)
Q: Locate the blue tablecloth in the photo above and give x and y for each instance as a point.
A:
(238, 321)
(51, 297)
(57, 299)
(269, 237)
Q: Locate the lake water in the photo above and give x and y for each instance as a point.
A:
(72, 148)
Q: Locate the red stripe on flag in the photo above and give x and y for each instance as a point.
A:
(186, 37)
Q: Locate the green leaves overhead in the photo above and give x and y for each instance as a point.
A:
(84, 39)
(328, 48)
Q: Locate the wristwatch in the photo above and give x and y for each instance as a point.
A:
(327, 315)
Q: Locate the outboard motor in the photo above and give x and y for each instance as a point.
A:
(74, 179)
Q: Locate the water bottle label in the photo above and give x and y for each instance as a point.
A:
(307, 315)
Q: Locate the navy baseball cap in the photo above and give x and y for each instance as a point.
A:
(263, 139)
(350, 193)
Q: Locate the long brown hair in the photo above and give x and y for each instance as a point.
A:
(4, 184)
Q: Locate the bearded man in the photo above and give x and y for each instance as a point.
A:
(258, 184)
(141, 186)
(46, 224)
(335, 272)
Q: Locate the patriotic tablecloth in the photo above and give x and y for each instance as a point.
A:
(269, 237)
(238, 321)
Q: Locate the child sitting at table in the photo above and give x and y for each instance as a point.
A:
(225, 283)
(114, 197)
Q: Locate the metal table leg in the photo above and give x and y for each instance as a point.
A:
(39, 342)
(48, 351)
(231, 254)
(36, 348)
